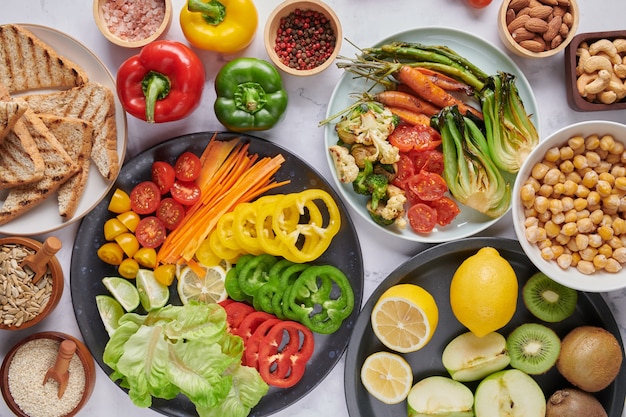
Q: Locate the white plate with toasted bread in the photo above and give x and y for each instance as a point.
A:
(61, 102)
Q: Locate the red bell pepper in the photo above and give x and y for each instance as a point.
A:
(162, 83)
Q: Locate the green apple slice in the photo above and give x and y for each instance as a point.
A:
(440, 396)
(470, 358)
(510, 393)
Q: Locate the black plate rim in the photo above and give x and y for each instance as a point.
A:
(617, 389)
(304, 387)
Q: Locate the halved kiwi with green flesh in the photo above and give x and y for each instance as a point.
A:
(533, 348)
(547, 299)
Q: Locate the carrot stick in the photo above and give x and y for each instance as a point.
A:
(410, 117)
(446, 82)
(405, 100)
(427, 90)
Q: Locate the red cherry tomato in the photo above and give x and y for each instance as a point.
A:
(479, 4)
(405, 171)
(171, 213)
(422, 218)
(430, 160)
(145, 197)
(446, 209)
(428, 186)
(163, 176)
(407, 137)
(185, 192)
(188, 166)
(150, 232)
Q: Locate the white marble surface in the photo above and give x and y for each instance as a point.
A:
(364, 23)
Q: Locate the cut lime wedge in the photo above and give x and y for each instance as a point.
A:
(123, 291)
(152, 293)
(110, 312)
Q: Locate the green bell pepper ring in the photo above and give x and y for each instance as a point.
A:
(250, 95)
(312, 298)
(255, 273)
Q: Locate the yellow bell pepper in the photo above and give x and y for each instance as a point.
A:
(224, 26)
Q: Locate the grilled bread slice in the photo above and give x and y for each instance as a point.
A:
(10, 112)
(75, 135)
(28, 63)
(94, 103)
(59, 167)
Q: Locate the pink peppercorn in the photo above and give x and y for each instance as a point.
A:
(305, 39)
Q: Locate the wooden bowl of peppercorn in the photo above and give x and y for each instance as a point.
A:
(303, 37)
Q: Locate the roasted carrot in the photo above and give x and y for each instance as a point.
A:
(446, 82)
(410, 117)
(407, 101)
(430, 92)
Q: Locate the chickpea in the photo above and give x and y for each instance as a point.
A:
(546, 190)
(590, 179)
(566, 167)
(558, 218)
(552, 154)
(592, 142)
(564, 261)
(568, 203)
(604, 188)
(599, 261)
(595, 241)
(593, 198)
(608, 177)
(619, 226)
(585, 225)
(611, 204)
(544, 217)
(531, 221)
(585, 267)
(541, 204)
(617, 149)
(605, 250)
(593, 159)
(553, 176)
(612, 266)
(571, 216)
(615, 243)
(605, 232)
(552, 229)
(567, 153)
(596, 216)
(580, 162)
(570, 188)
(582, 191)
(619, 255)
(582, 241)
(574, 176)
(562, 239)
(569, 229)
(607, 142)
(576, 142)
(539, 171)
(620, 182)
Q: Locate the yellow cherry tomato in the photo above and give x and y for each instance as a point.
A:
(165, 273)
(128, 242)
(128, 268)
(113, 227)
(120, 201)
(111, 253)
(146, 257)
(223, 26)
(130, 219)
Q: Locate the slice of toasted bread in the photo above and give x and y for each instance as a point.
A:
(28, 63)
(75, 135)
(59, 167)
(10, 112)
(94, 103)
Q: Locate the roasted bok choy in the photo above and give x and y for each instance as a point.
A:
(472, 177)
(510, 133)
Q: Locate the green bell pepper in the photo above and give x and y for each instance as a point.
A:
(250, 95)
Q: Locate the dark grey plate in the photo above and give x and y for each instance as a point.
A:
(87, 270)
(433, 269)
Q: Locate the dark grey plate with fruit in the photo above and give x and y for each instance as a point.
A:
(433, 269)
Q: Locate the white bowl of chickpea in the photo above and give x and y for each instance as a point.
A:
(569, 209)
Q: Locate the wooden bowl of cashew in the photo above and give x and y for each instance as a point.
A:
(595, 71)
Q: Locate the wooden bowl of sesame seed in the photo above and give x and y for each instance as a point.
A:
(303, 37)
(25, 367)
(23, 302)
(132, 23)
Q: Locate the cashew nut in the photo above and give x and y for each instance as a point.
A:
(596, 63)
(620, 70)
(620, 45)
(607, 97)
(600, 83)
(617, 85)
(606, 46)
(583, 80)
(583, 55)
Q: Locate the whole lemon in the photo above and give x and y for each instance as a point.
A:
(483, 292)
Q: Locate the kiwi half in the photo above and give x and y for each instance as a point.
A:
(533, 348)
(547, 299)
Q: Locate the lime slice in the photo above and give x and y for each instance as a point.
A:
(205, 289)
(123, 291)
(152, 293)
(110, 312)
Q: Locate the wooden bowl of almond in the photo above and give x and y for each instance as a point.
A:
(32, 281)
(537, 28)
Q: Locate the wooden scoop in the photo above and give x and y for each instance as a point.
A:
(38, 262)
(59, 372)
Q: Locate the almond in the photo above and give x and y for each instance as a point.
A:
(559, 11)
(554, 26)
(510, 16)
(556, 41)
(536, 25)
(550, 2)
(564, 3)
(522, 34)
(568, 19)
(532, 46)
(518, 5)
(540, 12)
(564, 30)
(518, 22)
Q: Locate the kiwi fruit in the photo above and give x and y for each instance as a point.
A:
(573, 402)
(547, 299)
(533, 348)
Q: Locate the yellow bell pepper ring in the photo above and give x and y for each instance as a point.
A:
(224, 26)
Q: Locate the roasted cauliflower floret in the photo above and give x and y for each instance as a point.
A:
(391, 210)
(345, 164)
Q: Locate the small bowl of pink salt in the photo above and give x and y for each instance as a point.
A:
(132, 23)
(47, 374)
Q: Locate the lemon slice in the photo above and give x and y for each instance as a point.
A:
(387, 376)
(152, 293)
(405, 317)
(205, 289)
(110, 312)
(123, 291)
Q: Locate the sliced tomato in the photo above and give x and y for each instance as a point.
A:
(405, 170)
(145, 198)
(171, 213)
(185, 192)
(188, 166)
(150, 232)
(428, 186)
(430, 160)
(446, 209)
(422, 218)
(408, 137)
(163, 175)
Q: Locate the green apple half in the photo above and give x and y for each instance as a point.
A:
(470, 358)
(440, 396)
(510, 393)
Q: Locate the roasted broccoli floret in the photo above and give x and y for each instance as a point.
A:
(391, 209)
(360, 183)
(377, 187)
